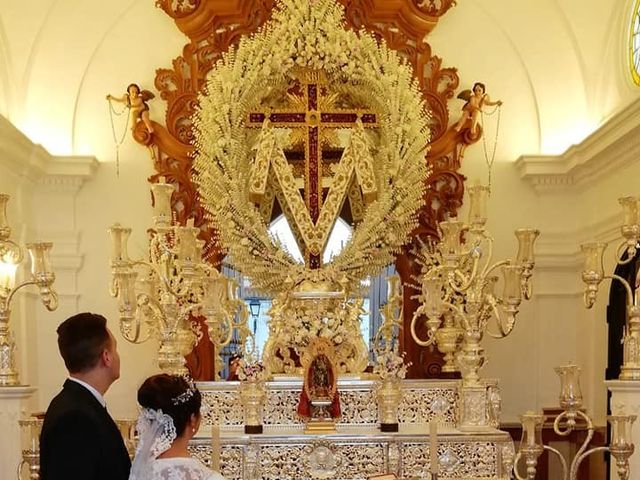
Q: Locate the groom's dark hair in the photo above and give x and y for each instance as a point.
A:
(81, 339)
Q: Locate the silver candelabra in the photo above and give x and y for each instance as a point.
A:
(158, 296)
(593, 275)
(531, 446)
(42, 276)
(458, 285)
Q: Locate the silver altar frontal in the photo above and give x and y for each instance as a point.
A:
(357, 449)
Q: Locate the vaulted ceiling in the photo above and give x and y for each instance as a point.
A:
(558, 65)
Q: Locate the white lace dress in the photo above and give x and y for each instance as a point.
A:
(182, 469)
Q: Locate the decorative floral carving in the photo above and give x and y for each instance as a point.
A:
(420, 404)
(178, 8)
(477, 460)
(323, 462)
(295, 458)
(232, 458)
(435, 8)
(313, 39)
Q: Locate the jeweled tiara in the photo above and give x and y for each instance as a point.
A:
(185, 396)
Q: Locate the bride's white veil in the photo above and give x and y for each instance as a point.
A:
(156, 434)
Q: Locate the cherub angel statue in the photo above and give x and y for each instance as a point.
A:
(136, 100)
(476, 99)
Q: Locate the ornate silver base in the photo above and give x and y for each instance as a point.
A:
(629, 372)
(477, 410)
(357, 454)
(9, 379)
(358, 449)
(32, 460)
(8, 370)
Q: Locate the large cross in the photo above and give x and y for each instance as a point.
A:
(313, 120)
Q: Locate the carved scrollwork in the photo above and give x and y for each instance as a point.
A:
(178, 8)
(478, 460)
(213, 27)
(419, 404)
(358, 459)
(436, 8)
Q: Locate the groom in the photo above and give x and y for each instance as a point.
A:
(79, 440)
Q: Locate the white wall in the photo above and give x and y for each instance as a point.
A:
(41, 208)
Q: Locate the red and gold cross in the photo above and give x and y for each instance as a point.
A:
(313, 119)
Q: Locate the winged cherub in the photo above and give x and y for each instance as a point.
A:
(475, 99)
(136, 100)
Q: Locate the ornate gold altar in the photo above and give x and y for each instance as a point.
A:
(358, 449)
(312, 110)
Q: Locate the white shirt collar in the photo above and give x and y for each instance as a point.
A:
(93, 391)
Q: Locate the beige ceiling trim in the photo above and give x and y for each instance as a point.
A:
(32, 162)
(614, 145)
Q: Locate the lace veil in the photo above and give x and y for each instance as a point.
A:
(156, 432)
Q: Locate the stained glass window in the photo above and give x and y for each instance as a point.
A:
(634, 44)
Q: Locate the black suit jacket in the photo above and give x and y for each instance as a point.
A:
(80, 440)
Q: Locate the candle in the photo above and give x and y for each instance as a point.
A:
(7, 275)
(128, 297)
(630, 210)
(593, 253)
(40, 263)
(570, 392)
(215, 448)
(433, 447)
(216, 289)
(162, 202)
(393, 286)
(532, 429)
(4, 223)
(478, 196)
(34, 439)
(512, 278)
(451, 243)
(199, 249)
(188, 238)
(526, 238)
(119, 237)
(432, 291)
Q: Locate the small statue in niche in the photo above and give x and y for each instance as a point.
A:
(476, 99)
(320, 378)
(319, 399)
(136, 100)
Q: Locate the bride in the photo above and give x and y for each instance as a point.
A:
(170, 417)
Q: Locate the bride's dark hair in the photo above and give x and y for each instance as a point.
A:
(172, 394)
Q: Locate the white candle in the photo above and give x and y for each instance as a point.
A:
(162, 202)
(215, 448)
(7, 275)
(433, 446)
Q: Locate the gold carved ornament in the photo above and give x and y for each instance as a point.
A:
(312, 37)
(313, 118)
(213, 27)
(298, 322)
